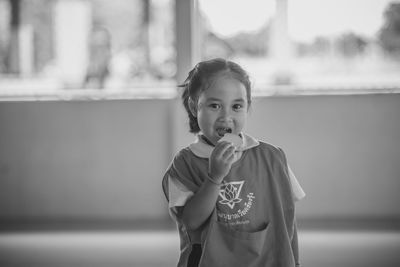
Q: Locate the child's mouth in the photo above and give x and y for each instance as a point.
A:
(221, 131)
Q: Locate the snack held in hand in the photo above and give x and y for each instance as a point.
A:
(233, 138)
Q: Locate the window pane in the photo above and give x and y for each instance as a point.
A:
(314, 44)
(346, 42)
(241, 34)
(94, 44)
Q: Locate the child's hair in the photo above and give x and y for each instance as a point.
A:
(201, 77)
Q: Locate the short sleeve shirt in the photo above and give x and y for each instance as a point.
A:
(241, 191)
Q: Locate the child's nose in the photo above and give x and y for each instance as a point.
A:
(225, 114)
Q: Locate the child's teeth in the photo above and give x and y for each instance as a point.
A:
(222, 131)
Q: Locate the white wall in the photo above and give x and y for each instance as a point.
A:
(104, 160)
(345, 151)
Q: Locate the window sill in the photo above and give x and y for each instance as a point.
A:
(89, 94)
(170, 92)
(317, 90)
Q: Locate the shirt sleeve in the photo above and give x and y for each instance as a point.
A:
(297, 191)
(178, 194)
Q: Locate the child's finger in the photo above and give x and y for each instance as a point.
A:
(229, 151)
(231, 158)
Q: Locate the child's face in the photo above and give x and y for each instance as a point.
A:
(222, 108)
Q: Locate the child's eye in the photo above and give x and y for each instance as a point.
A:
(237, 106)
(214, 106)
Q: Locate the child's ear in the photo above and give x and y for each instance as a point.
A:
(192, 107)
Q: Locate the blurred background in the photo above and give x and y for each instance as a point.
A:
(90, 118)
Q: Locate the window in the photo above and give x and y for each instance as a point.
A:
(297, 45)
(49, 46)
(134, 47)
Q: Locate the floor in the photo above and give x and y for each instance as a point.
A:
(160, 248)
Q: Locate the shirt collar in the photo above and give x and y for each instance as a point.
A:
(203, 150)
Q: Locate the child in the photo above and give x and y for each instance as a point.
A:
(233, 205)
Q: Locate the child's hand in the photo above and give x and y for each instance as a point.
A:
(221, 160)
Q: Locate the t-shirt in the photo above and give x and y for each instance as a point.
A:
(255, 206)
(237, 194)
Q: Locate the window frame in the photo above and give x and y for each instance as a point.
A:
(187, 55)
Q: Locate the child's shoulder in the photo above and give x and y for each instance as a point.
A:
(268, 147)
(269, 152)
(180, 159)
(183, 155)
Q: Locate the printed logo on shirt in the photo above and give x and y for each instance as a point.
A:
(240, 214)
(230, 193)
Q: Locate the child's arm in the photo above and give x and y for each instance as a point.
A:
(200, 206)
